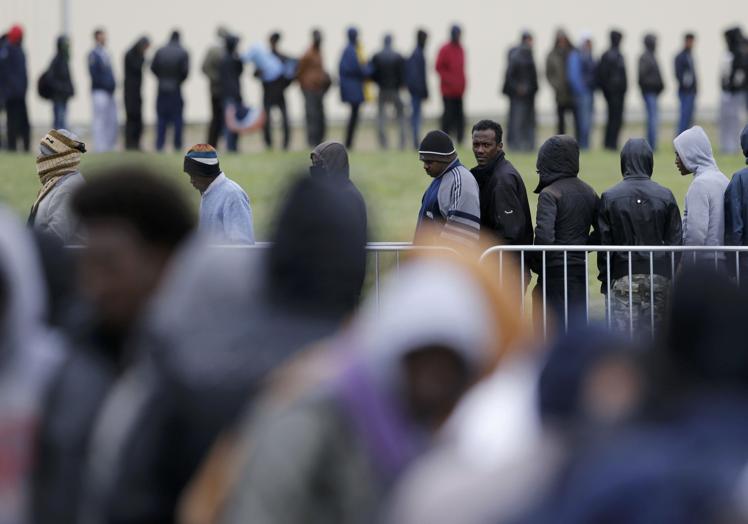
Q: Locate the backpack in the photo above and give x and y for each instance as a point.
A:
(44, 85)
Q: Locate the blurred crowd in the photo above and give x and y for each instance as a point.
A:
(573, 72)
(151, 376)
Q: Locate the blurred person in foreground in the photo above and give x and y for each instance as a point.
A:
(330, 160)
(685, 74)
(225, 213)
(566, 215)
(451, 203)
(704, 215)
(252, 313)
(171, 65)
(387, 70)
(14, 83)
(556, 73)
(104, 124)
(613, 81)
(736, 210)
(580, 71)
(135, 222)
(651, 86)
(521, 86)
(450, 66)
(682, 459)
(314, 82)
(134, 62)
(352, 74)
(29, 354)
(508, 439)
(58, 168)
(211, 68)
(350, 416)
(638, 211)
(416, 82)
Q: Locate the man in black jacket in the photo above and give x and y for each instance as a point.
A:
(567, 210)
(521, 86)
(230, 71)
(387, 68)
(171, 65)
(134, 60)
(61, 83)
(611, 77)
(637, 211)
(651, 85)
(504, 209)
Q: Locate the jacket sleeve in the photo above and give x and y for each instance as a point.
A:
(460, 206)
(606, 239)
(185, 67)
(734, 226)
(696, 219)
(508, 211)
(574, 72)
(545, 227)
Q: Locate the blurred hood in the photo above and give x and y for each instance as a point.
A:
(695, 150)
(636, 158)
(334, 158)
(558, 158)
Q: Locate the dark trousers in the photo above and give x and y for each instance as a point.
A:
(273, 97)
(133, 122)
(216, 120)
(453, 118)
(350, 131)
(558, 305)
(169, 108)
(561, 110)
(615, 121)
(316, 125)
(415, 120)
(18, 123)
(521, 132)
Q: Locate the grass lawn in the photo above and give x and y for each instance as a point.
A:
(392, 182)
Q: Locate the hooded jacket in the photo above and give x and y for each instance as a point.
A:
(611, 71)
(567, 206)
(637, 211)
(134, 60)
(352, 73)
(334, 159)
(736, 202)
(504, 209)
(171, 65)
(61, 82)
(250, 311)
(650, 79)
(704, 216)
(521, 78)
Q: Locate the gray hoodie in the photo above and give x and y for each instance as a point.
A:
(704, 217)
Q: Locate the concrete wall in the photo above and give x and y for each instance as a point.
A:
(490, 28)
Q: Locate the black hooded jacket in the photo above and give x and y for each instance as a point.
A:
(134, 60)
(567, 207)
(637, 211)
(62, 83)
(504, 209)
(611, 70)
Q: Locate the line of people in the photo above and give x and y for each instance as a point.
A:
(490, 201)
(572, 71)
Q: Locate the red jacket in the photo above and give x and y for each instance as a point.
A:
(450, 64)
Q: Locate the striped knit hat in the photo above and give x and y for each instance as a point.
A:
(202, 160)
(436, 145)
(59, 155)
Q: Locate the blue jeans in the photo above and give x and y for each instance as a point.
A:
(584, 103)
(650, 103)
(687, 106)
(415, 119)
(59, 114)
(169, 113)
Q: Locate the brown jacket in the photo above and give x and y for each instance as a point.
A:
(310, 73)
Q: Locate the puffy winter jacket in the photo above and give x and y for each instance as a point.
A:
(450, 64)
(171, 65)
(387, 69)
(637, 211)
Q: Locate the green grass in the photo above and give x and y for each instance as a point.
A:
(392, 182)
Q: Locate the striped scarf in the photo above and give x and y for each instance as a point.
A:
(64, 159)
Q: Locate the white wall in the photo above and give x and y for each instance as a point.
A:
(490, 28)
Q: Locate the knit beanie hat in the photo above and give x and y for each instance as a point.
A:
(436, 145)
(202, 160)
(15, 34)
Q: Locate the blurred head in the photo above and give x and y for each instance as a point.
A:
(526, 39)
(63, 45)
(650, 42)
(134, 221)
(352, 35)
(15, 35)
(436, 151)
(99, 36)
(421, 37)
(143, 44)
(201, 164)
(688, 40)
(733, 38)
(562, 40)
(615, 38)
(317, 37)
(274, 39)
(329, 159)
(487, 141)
(455, 33)
(175, 36)
(387, 41)
(232, 42)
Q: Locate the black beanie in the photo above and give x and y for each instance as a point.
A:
(436, 145)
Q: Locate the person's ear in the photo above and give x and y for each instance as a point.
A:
(501, 145)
